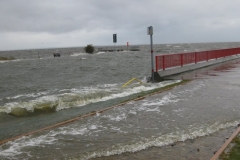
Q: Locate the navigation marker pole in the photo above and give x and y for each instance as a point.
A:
(115, 41)
(150, 32)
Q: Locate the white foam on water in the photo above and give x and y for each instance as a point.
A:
(31, 105)
(117, 129)
(15, 60)
(85, 129)
(92, 127)
(179, 110)
(79, 97)
(153, 110)
(29, 95)
(74, 131)
(192, 90)
(132, 112)
(116, 118)
(68, 131)
(158, 141)
(108, 85)
(130, 91)
(159, 102)
(16, 147)
(78, 54)
(100, 52)
(113, 90)
(20, 146)
(144, 80)
(90, 89)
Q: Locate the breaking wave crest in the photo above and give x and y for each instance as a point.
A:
(70, 98)
(78, 54)
(161, 140)
(18, 147)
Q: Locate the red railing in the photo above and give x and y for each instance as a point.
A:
(180, 59)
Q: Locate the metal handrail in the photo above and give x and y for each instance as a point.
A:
(131, 81)
(180, 59)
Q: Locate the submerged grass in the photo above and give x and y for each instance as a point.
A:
(233, 150)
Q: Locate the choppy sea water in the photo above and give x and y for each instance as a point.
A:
(38, 90)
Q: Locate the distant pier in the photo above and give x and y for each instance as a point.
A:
(118, 49)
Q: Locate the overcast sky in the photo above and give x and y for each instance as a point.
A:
(28, 24)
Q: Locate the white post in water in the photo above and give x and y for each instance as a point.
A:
(150, 32)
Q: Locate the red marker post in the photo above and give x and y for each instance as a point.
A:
(150, 32)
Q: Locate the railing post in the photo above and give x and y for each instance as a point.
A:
(207, 55)
(156, 62)
(163, 62)
(195, 57)
(181, 60)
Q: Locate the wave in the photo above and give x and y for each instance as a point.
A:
(69, 98)
(15, 60)
(28, 95)
(79, 54)
(25, 59)
(158, 141)
(100, 52)
(15, 148)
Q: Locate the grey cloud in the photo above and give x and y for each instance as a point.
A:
(173, 21)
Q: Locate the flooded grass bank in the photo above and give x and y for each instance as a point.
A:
(232, 152)
(135, 97)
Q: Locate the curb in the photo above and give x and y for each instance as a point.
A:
(224, 146)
